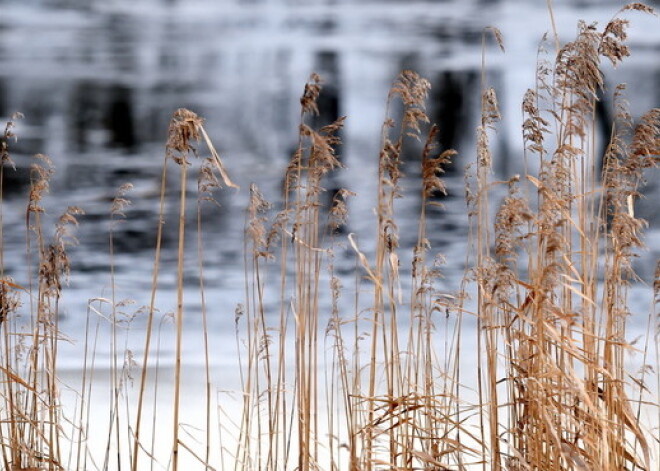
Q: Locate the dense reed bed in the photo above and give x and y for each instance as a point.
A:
(376, 381)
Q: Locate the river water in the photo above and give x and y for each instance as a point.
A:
(98, 81)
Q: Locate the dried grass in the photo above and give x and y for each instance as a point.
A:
(380, 387)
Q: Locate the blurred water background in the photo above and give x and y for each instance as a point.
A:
(98, 82)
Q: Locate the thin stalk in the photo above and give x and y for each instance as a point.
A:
(150, 319)
(205, 332)
(179, 317)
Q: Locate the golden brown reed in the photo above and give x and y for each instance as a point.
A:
(553, 392)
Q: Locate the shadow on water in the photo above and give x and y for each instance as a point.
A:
(105, 109)
(453, 109)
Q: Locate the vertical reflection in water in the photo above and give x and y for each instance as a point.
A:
(453, 108)
(329, 105)
(120, 118)
(84, 114)
(4, 105)
(604, 122)
(327, 66)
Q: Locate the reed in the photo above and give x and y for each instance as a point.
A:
(375, 380)
(31, 426)
(552, 388)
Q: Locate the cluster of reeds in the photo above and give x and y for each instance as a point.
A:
(31, 433)
(551, 276)
(561, 399)
(377, 382)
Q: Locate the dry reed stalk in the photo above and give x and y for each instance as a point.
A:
(486, 271)
(179, 296)
(9, 304)
(656, 338)
(185, 128)
(412, 91)
(410, 423)
(150, 317)
(290, 422)
(257, 340)
(31, 427)
(314, 158)
(81, 449)
(119, 205)
(566, 397)
(338, 379)
(207, 183)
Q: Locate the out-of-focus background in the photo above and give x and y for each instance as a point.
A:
(98, 81)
